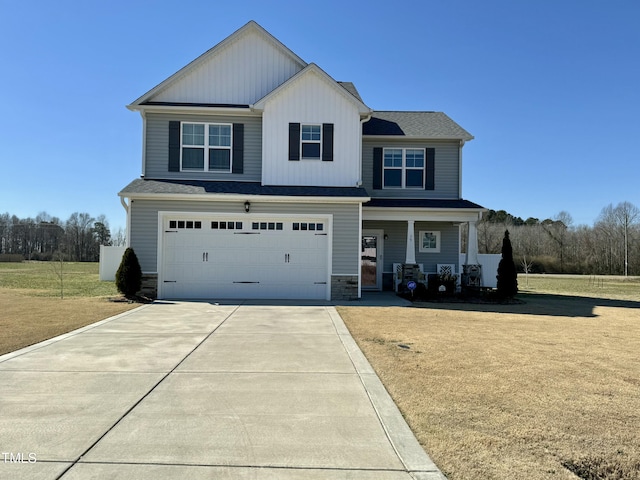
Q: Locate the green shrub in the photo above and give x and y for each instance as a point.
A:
(129, 274)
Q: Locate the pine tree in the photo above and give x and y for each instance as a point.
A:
(507, 275)
(129, 274)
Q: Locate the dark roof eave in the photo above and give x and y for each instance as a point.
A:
(424, 203)
(200, 105)
(142, 187)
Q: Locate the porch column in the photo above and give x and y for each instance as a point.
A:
(472, 245)
(411, 244)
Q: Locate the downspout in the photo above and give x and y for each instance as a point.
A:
(144, 143)
(128, 227)
(460, 169)
(362, 122)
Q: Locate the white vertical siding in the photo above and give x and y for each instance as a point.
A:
(311, 100)
(240, 73)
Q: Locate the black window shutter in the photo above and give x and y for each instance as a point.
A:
(377, 168)
(294, 141)
(430, 180)
(238, 148)
(327, 142)
(174, 146)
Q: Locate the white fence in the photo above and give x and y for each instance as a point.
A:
(489, 264)
(110, 258)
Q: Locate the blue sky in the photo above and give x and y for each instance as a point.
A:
(549, 89)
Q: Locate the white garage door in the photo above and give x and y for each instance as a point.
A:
(244, 257)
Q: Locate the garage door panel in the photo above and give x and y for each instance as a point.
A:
(248, 258)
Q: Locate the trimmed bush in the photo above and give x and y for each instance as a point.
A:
(507, 275)
(129, 274)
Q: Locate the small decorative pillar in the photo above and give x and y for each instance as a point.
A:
(411, 243)
(472, 270)
(472, 244)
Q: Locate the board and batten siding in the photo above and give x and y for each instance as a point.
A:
(157, 147)
(345, 240)
(447, 168)
(240, 73)
(311, 101)
(395, 245)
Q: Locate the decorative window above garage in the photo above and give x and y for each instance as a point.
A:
(206, 147)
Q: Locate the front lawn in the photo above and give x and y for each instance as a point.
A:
(32, 309)
(540, 390)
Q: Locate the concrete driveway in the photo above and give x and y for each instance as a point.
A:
(200, 390)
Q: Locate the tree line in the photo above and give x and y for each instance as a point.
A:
(47, 237)
(611, 246)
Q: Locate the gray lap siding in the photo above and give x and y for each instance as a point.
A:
(157, 147)
(345, 240)
(395, 244)
(447, 168)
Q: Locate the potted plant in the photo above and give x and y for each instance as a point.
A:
(448, 280)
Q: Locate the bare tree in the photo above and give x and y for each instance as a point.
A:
(526, 266)
(558, 231)
(626, 215)
(57, 265)
(119, 238)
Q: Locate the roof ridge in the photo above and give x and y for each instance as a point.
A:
(408, 111)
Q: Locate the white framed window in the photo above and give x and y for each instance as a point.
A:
(206, 147)
(429, 241)
(403, 168)
(311, 141)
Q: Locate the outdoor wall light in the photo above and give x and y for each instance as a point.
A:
(386, 237)
(247, 206)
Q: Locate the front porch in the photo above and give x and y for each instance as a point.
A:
(411, 245)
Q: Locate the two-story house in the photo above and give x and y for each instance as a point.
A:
(263, 177)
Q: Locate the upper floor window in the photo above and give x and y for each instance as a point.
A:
(310, 141)
(206, 147)
(403, 167)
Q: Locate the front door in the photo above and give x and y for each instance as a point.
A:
(371, 259)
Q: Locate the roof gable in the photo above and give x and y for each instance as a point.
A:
(241, 69)
(313, 71)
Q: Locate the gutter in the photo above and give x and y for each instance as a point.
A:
(237, 197)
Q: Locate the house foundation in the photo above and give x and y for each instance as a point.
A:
(344, 287)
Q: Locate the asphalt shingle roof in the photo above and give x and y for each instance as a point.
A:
(351, 88)
(429, 125)
(199, 187)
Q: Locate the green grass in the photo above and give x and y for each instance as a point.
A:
(41, 279)
(599, 286)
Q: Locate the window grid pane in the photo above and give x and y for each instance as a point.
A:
(220, 135)
(393, 178)
(192, 134)
(219, 159)
(193, 158)
(413, 178)
(393, 157)
(310, 150)
(311, 133)
(430, 240)
(415, 158)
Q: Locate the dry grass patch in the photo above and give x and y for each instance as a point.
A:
(533, 391)
(27, 319)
